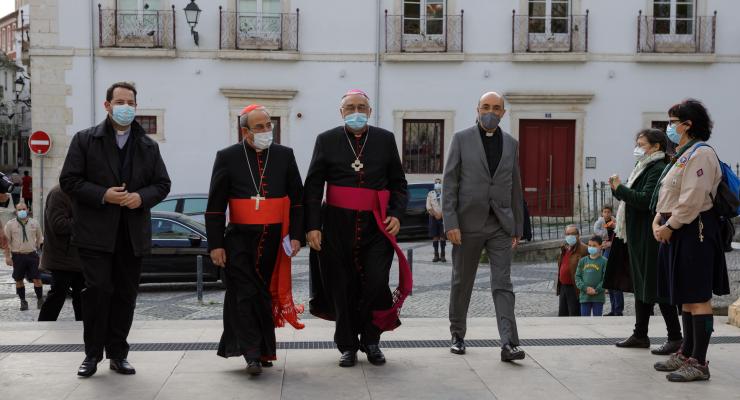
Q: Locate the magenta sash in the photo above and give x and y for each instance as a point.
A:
(362, 199)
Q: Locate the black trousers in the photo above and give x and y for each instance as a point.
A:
(62, 282)
(109, 298)
(670, 316)
(569, 305)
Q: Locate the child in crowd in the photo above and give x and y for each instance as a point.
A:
(590, 278)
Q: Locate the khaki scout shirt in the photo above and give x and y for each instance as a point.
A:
(686, 189)
(14, 232)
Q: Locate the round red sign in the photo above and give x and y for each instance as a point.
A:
(39, 142)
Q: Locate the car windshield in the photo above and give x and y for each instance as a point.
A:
(417, 193)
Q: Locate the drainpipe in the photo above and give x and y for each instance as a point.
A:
(92, 64)
(376, 106)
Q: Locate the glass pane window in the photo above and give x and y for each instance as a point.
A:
(423, 146)
(167, 205)
(559, 9)
(148, 122)
(559, 25)
(423, 17)
(271, 6)
(674, 17)
(167, 229)
(248, 6)
(537, 8)
(194, 206)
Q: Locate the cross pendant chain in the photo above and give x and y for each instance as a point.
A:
(257, 199)
(357, 165)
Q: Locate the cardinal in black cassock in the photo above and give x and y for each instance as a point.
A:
(260, 183)
(352, 235)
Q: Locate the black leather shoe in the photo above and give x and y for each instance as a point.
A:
(634, 342)
(374, 354)
(348, 359)
(266, 364)
(458, 345)
(254, 367)
(88, 367)
(122, 366)
(669, 347)
(511, 353)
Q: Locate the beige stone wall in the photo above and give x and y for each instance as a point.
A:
(733, 314)
(49, 93)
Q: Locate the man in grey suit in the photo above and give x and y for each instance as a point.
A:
(482, 208)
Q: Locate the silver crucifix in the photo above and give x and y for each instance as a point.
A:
(257, 199)
(357, 165)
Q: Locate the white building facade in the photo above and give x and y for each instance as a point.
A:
(581, 77)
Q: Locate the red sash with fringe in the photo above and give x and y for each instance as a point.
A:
(272, 211)
(362, 199)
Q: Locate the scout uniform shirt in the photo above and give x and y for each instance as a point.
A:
(686, 188)
(33, 239)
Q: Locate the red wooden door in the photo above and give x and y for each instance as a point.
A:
(546, 158)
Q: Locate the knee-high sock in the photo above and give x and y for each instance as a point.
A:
(435, 244)
(703, 328)
(687, 348)
(21, 292)
(442, 244)
(39, 291)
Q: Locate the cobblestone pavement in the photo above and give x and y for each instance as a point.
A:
(533, 284)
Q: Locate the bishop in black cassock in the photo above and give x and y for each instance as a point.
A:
(351, 254)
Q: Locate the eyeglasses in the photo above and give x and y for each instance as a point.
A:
(352, 108)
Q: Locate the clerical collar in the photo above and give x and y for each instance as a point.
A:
(352, 134)
(488, 134)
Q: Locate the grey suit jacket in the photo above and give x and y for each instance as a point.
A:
(469, 191)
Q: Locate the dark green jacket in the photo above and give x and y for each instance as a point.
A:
(642, 249)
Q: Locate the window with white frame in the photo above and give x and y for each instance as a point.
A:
(152, 121)
(423, 146)
(674, 17)
(260, 18)
(423, 17)
(138, 16)
(549, 16)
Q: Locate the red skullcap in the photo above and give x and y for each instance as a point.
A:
(251, 108)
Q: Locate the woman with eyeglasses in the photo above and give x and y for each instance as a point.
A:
(691, 260)
(634, 228)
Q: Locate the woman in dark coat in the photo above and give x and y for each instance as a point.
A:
(634, 227)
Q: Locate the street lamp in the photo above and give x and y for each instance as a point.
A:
(192, 13)
(19, 85)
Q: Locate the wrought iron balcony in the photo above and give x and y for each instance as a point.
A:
(674, 35)
(438, 35)
(258, 31)
(549, 34)
(139, 29)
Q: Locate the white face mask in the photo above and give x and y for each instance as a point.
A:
(262, 140)
(638, 152)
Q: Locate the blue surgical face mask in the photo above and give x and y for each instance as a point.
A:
(489, 121)
(673, 135)
(123, 114)
(593, 250)
(22, 214)
(356, 121)
(571, 239)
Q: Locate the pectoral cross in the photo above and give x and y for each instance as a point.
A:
(357, 165)
(257, 199)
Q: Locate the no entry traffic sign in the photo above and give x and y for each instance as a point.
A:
(39, 142)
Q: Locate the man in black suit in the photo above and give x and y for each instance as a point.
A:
(114, 174)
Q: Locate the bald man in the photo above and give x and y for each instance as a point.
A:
(352, 237)
(482, 208)
(260, 183)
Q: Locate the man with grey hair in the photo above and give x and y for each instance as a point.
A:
(482, 208)
(260, 183)
(352, 236)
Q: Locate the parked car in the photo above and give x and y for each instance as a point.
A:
(176, 242)
(415, 223)
(190, 204)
